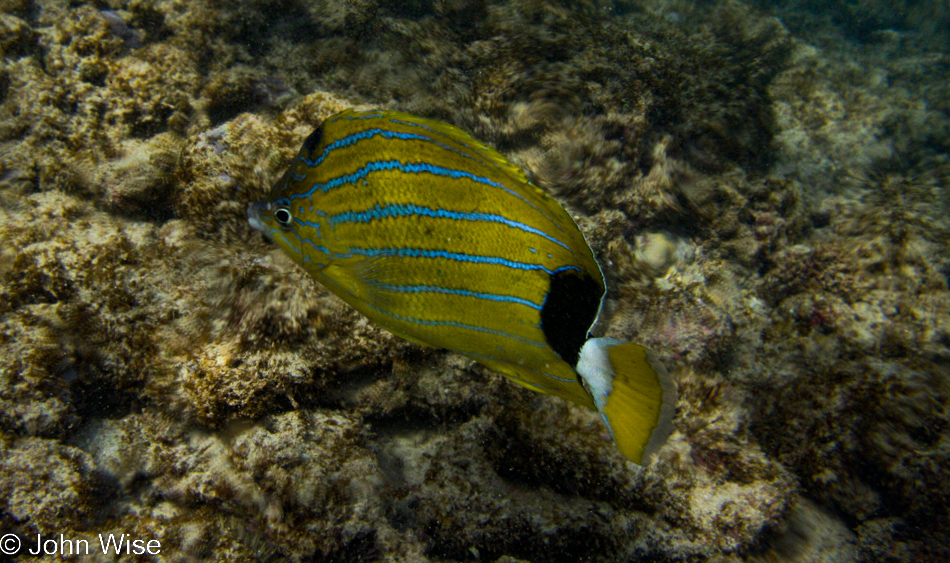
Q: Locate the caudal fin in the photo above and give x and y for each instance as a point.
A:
(633, 393)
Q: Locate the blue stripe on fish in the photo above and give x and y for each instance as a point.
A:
(412, 168)
(476, 150)
(322, 249)
(303, 241)
(451, 291)
(279, 233)
(350, 140)
(396, 210)
(311, 224)
(454, 324)
(474, 258)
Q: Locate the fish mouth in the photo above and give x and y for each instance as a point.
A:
(254, 216)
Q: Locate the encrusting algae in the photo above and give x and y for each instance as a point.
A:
(766, 198)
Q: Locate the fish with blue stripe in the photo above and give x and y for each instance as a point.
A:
(439, 239)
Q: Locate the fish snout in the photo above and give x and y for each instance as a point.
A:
(254, 215)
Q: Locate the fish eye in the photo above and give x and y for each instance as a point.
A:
(282, 215)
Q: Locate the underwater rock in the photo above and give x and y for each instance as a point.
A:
(131, 37)
(48, 488)
(314, 464)
(15, 6)
(32, 402)
(234, 164)
(16, 37)
(347, 15)
(77, 102)
(292, 474)
(716, 477)
(140, 183)
(459, 496)
(241, 89)
(813, 535)
(867, 313)
(657, 252)
(79, 319)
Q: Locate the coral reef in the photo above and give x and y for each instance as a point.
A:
(769, 208)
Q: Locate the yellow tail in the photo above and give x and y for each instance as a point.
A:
(633, 393)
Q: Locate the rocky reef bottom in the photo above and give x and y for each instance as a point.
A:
(771, 217)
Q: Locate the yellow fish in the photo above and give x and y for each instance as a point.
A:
(437, 238)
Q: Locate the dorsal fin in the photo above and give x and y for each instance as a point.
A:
(464, 138)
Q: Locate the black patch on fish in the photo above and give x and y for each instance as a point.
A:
(313, 140)
(570, 307)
